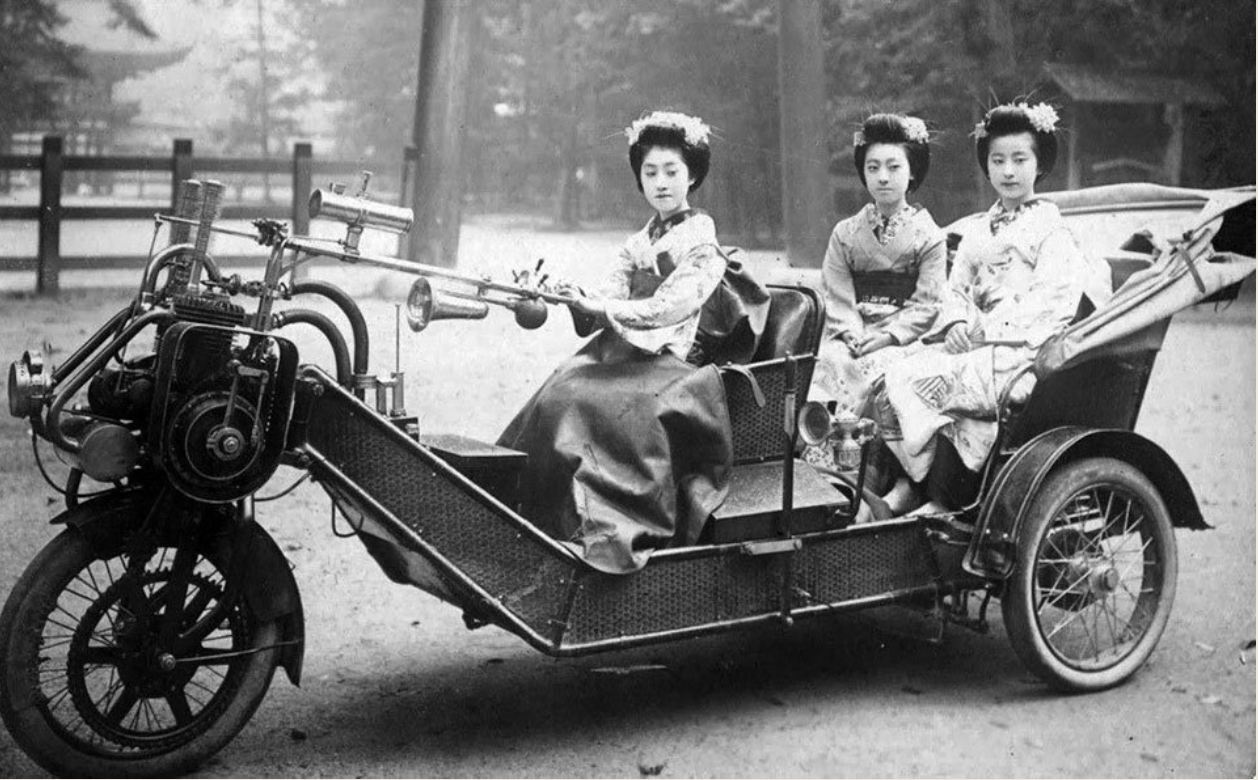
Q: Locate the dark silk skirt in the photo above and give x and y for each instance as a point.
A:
(627, 452)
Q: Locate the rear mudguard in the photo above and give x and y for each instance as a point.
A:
(993, 548)
(270, 590)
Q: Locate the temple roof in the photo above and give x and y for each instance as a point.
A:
(109, 67)
(1087, 85)
(114, 66)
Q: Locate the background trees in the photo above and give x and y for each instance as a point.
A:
(33, 57)
(554, 81)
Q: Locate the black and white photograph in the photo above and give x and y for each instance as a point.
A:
(628, 388)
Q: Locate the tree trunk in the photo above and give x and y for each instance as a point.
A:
(569, 206)
(440, 112)
(806, 212)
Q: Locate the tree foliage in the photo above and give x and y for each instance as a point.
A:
(950, 59)
(33, 55)
(554, 82)
(30, 52)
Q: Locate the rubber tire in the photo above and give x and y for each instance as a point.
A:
(1017, 608)
(42, 581)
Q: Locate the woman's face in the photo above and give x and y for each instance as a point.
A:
(887, 175)
(1012, 167)
(665, 180)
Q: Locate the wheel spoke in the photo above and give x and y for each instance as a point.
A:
(175, 595)
(203, 686)
(197, 604)
(56, 697)
(1069, 590)
(121, 706)
(1073, 617)
(101, 655)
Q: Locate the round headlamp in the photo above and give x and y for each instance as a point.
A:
(28, 384)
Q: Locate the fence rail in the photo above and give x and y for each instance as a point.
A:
(50, 213)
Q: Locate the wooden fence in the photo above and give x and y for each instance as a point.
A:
(52, 166)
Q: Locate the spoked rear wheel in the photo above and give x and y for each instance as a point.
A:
(122, 662)
(1095, 577)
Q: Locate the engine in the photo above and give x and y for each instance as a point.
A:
(221, 403)
(210, 406)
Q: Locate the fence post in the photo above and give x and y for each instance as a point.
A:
(180, 169)
(302, 175)
(48, 263)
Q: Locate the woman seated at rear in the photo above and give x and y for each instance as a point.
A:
(884, 268)
(1018, 277)
(628, 444)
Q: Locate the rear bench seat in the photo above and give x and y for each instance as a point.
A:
(795, 326)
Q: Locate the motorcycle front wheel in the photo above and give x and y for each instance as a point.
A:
(109, 664)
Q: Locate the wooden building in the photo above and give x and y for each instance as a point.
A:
(1124, 126)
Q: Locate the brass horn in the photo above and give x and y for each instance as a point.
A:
(423, 305)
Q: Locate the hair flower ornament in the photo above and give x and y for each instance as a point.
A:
(915, 130)
(1043, 117)
(693, 128)
(858, 138)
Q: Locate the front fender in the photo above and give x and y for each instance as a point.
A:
(269, 589)
(992, 550)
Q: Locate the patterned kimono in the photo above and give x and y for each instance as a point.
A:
(629, 446)
(1017, 278)
(881, 274)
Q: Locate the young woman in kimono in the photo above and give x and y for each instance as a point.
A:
(1017, 278)
(885, 266)
(628, 444)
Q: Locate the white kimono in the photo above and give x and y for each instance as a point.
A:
(682, 250)
(1017, 278)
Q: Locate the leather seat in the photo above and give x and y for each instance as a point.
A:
(796, 322)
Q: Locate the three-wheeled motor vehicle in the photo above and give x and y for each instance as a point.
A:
(142, 638)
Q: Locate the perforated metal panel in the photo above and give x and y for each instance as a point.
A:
(864, 565)
(490, 547)
(533, 579)
(670, 595)
(757, 431)
(684, 593)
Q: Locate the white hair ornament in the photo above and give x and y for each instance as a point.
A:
(914, 130)
(1042, 116)
(693, 128)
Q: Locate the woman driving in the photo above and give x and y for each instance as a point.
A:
(628, 444)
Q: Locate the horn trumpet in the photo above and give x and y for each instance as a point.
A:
(423, 305)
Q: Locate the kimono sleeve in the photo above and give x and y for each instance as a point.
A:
(616, 284)
(678, 297)
(1058, 280)
(838, 288)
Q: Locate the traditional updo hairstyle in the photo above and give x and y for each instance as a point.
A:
(686, 134)
(1010, 119)
(906, 131)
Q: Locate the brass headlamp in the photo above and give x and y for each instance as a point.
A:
(358, 212)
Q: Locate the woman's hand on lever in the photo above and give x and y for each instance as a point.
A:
(852, 341)
(595, 308)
